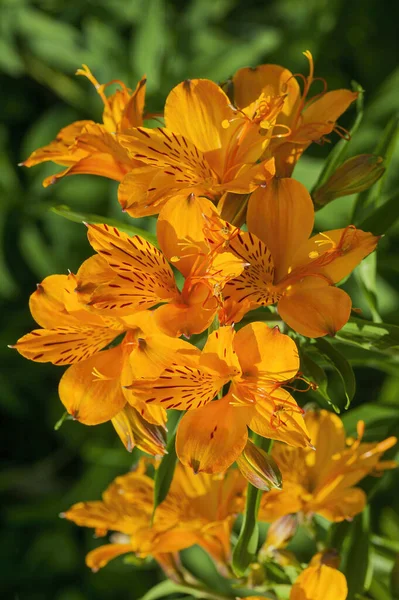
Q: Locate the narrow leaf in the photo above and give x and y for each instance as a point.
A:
(357, 555)
(383, 217)
(164, 473)
(341, 367)
(77, 217)
(381, 337)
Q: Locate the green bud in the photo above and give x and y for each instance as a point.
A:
(355, 175)
(259, 468)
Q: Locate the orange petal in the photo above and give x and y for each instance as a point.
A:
(183, 385)
(144, 191)
(47, 303)
(335, 253)
(327, 433)
(190, 315)
(320, 583)
(180, 229)
(273, 80)
(281, 215)
(319, 117)
(275, 503)
(266, 353)
(196, 110)
(93, 272)
(254, 286)
(313, 308)
(345, 504)
(276, 416)
(64, 345)
(175, 155)
(249, 178)
(59, 150)
(210, 439)
(98, 558)
(134, 108)
(219, 353)
(91, 390)
(134, 430)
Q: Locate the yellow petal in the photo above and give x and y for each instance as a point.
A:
(144, 191)
(281, 215)
(210, 438)
(91, 390)
(314, 309)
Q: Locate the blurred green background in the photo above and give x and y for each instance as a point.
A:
(42, 43)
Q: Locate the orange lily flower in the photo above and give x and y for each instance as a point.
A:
(86, 147)
(92, 389)
(304, 120)
(199, 509)
(286, 266)
(323, 481)
(256, 361)
(137, 276)
(321, 580)
(207, 147)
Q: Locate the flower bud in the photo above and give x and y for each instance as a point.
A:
(354, 175)
(259, 468)
(281, 531)
(134, 430)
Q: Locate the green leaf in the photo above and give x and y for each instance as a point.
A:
(380, 420)
(365, 276)
(341, 383)
(247, 543)
(356, 558)
(164, 473)
(340, 150)
(380, 337)
(77, 217)
(383, 217)
(368, 201)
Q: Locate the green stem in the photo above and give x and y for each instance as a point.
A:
(247, 544)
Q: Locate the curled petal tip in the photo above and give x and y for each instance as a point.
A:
(62, 515)
(11, 346)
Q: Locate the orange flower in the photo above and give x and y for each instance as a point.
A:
(199, 509)
(302, 120)
(91, 148)
(256, 361)
(207, 148)
(288, 268)
(322, 481)
(92, 389)
(321, 580)
(136, 276)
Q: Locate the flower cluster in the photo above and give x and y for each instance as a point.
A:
(147, 328)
